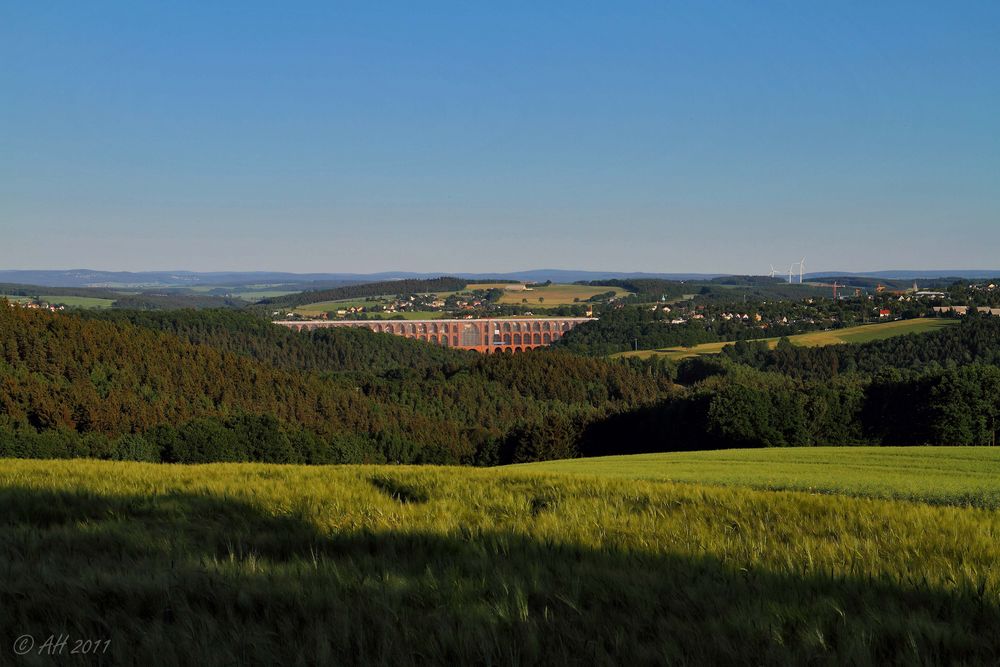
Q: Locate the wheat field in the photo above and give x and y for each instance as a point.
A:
(252, 564)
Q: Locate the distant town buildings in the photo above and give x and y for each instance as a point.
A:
(36, 305)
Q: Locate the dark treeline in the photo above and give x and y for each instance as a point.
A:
(644, 289)
(334, 350)
(13, 289)
(174, 300)
(408, 286)
(975, 340)
(741, 407)
(622, 329)
(748, 281)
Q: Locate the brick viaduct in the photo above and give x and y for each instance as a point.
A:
(486, 335)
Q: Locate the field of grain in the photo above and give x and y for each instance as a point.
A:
(557, 295)
(939, 475)
(858, 334)
(246, 563)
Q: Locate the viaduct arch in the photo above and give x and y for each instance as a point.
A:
(485, 335)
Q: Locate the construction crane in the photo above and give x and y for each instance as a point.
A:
(836, 287)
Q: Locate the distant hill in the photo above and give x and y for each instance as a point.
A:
(317, 281)
(159, 279)
(301, 281)
(914, 274)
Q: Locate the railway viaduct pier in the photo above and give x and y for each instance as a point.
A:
(485, 335)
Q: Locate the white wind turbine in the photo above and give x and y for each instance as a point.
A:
(802, 270)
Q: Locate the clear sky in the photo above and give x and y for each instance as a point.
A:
(490, 136)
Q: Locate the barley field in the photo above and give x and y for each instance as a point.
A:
(229, 564)
(557, 294)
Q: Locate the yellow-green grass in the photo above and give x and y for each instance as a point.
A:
(859, 334)
(941, 475)
(557, 294)
(257, 564)
(68, 301)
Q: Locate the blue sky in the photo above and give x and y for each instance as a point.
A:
(468, 136)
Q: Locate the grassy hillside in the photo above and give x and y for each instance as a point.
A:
(860, 334)
(557, 294)
(940, 475)
(230, 564)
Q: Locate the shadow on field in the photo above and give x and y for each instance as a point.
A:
(668, 426)
(193, 579)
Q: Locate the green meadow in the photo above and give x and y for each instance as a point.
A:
(939, 475)
(859, 334)
(580, 562)
(557, 294)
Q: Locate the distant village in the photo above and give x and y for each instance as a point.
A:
(462, 305)
(850, 306)
(34, 304)
(859, 306)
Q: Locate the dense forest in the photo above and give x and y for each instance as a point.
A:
(644, 290)
(628, 328)
(97, 387)
(195, 386)
(407, 286)
(940, 388)
(335, 350)
(741, 407)
(976, 340)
